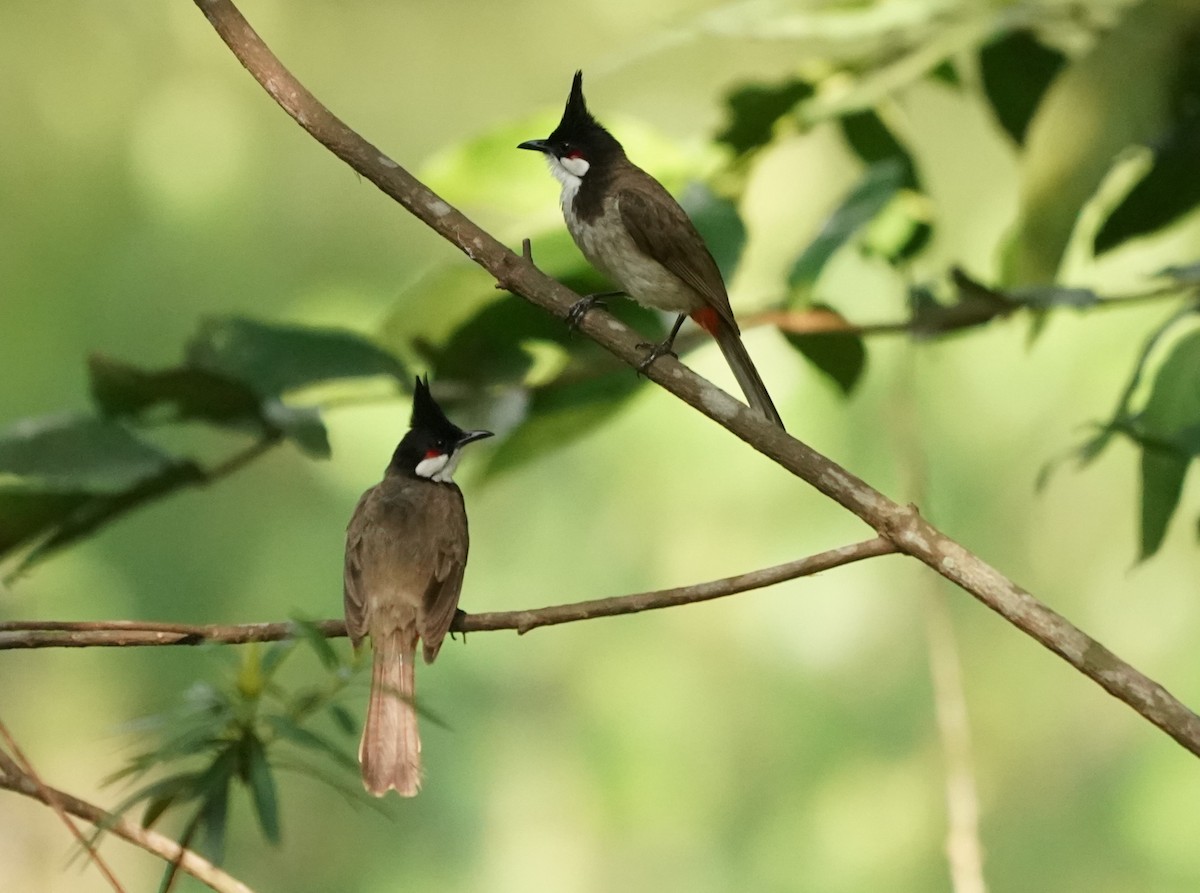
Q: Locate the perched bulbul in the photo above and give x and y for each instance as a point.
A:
(631, 229)
(406, 550)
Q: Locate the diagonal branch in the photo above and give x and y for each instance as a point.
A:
(14, 779)
(126, 633)
(17, 766)
(910, 533)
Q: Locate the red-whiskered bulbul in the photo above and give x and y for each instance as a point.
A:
(631, 229)
(406, 551)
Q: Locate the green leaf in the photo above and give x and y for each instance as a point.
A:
(273, 359)
(120, 389)
(754, 110)
(1163, 472)
(840, 356)
(308, 633)
(871, 195)
(873, 142)
(1171, 416)
(309, 740)
(562, 412)
(78, 454)
(301, 425)
(343, 719)
(212, 788)
(1045, 297)
(262, 788)
(1170, 189)
(63, 477)
(1017, 70)
(719, 224)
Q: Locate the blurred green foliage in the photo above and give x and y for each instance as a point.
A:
(784, 740)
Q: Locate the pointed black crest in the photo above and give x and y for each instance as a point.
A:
(426, 414)
(577, 124)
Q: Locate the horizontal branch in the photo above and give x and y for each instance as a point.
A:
(151, 841)
(132, 633)
(902, 525)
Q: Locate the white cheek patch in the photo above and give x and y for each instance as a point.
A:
(439, 468)
(432, 467)
(576, 167)
(562, 173)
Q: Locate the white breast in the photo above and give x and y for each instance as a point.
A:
(609, 248)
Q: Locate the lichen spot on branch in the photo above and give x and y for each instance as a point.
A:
(719, 404)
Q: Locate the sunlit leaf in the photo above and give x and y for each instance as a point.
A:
(754, 109)
(1017, 70)
(870, 196)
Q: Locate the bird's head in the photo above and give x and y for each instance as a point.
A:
(432, 445)
(579, 143)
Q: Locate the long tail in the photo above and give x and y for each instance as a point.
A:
(739, 361)
(390, 751)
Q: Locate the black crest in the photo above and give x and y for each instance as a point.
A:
(578, 125)
(428, 416)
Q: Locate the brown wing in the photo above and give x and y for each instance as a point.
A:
(445, 585)
(661, 229)
(354, 597)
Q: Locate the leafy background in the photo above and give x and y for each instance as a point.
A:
(780, 740)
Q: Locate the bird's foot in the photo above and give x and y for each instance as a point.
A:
(654, 350)
(581, 307)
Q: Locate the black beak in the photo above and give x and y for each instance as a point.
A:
(472, 436)
(537, 146)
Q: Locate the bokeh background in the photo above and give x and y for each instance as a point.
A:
(780, 740)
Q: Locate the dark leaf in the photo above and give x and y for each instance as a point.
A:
(344, 720)
(1187, 274)
(840, 356)
(79, 454)
(878, 186)
(1171, 416)
(1048, 296)
(123, 390)
(67, 475)
(301, 425)
(308, 632)
(719, 223)
(874, 143)
(261, 779)
(1169, 190)
(754, 109)
(1017, 70)
(946, 73)
(274, 359)
(213, 787)
(1163, 471)
(561, 412)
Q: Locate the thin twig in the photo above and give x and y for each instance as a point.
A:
(152, 842)
(126, 633)
(17, 766)
(904, 526)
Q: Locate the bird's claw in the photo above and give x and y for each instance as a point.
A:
(581, 308)
(654, 349)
